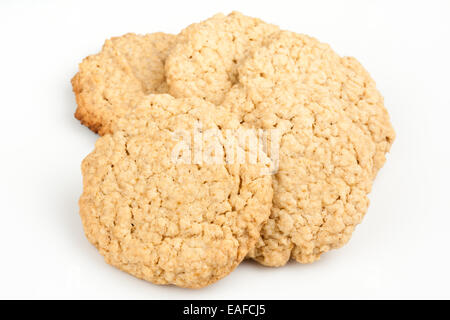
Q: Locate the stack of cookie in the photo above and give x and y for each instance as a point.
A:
(232, 139)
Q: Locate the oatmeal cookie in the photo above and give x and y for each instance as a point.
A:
(204, 61)
(111, 82)
(334, 133)
(168, 222)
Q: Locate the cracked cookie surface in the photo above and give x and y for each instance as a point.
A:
(111, 82)
(204, 61)
(334, 132)
(165, 222)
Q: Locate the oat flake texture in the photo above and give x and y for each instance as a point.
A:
(335, 133)
(168, 223)
(204, 61)
(111, 82)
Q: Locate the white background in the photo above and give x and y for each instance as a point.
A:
(401, 250)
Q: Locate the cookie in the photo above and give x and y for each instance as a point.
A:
(111, 82)
(169, 222)
(334, 134)
(204, 61)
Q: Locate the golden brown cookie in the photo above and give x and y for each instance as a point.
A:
(334, 133)
(111, 82)
(203, 63)
(164, 221)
